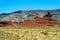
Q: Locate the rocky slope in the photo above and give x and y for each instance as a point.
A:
(37, 22)
(17, 16)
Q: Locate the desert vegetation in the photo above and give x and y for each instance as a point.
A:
(30, 34)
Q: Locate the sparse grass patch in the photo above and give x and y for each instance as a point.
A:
(30, 34)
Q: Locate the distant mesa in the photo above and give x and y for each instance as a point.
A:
(29, 14)
(17, 11)
(23, 18)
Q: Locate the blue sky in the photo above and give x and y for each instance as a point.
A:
(7, 6)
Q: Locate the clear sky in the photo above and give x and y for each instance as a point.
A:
(7, 6)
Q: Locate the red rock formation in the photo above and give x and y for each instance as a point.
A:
(38, 22)
(35, 23)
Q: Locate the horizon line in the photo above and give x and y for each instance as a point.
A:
(32, 10)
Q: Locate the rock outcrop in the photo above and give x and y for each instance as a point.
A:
(39, 22)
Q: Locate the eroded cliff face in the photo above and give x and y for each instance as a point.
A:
(37, 22)
(34, 20)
